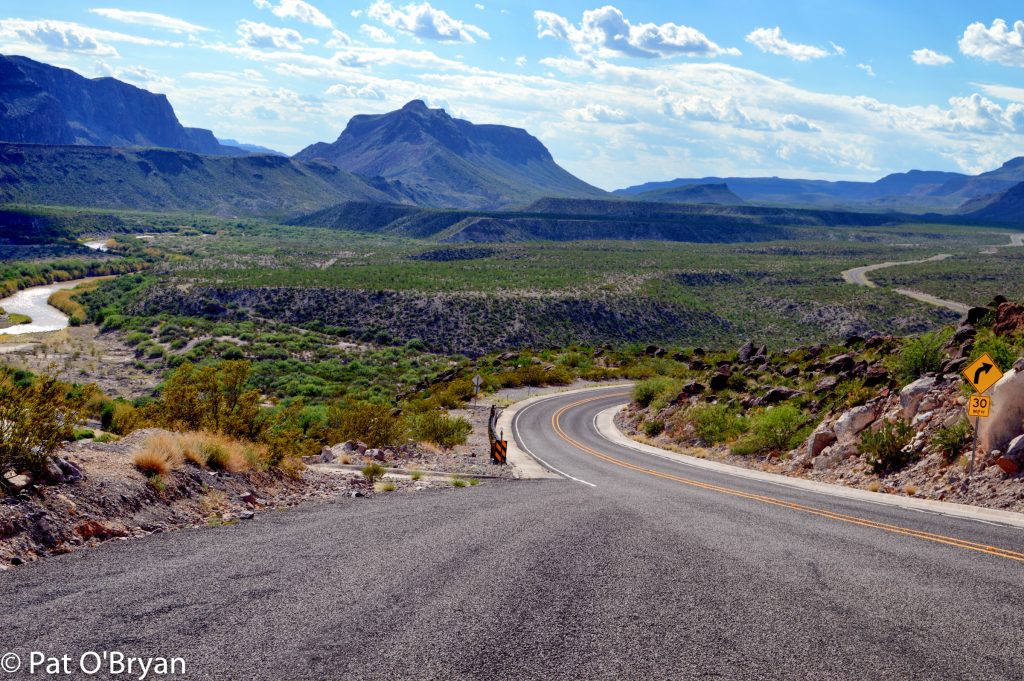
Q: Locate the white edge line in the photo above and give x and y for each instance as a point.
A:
(542, 462)
(989, 516)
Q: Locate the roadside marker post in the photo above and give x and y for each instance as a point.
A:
(983, 373)
(499, 445)
(477, 382)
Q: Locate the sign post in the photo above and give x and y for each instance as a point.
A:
(477, 382)
(983, 373)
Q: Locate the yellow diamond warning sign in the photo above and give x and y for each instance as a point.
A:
(983, 373)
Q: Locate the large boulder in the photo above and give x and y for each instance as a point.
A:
(851, 423)
(912, 395)
(819, 440)
(779, 394)
(1009, 319)
(746, 352)
(1006, 418)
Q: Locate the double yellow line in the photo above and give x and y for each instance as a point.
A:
(842, 517)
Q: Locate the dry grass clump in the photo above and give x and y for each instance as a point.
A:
(164, 452)
(160, 455)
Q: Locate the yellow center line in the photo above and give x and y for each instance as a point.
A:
(855, 520)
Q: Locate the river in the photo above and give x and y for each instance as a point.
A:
(31, 302)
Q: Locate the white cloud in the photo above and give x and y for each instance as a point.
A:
(298, 10)
(999, 43)
(150, 19)
(65, 36)
(377, 34)
(264, 37)
(367, 91)
(770, 40)
(136, 75)
(1007, 92)
(479, 6)
(424, 21)
(521, 61)
(979, 114)
(868, 69)
(599, 113)
(339, 40)
(927, 57)
(838, 49)
(605, 32)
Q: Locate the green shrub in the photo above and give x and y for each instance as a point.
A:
(715, 423)
(777, 429)
(84, 434)
(373, 471)
(951, 440)
(441, 429)
(645, 392)
(416, 475)
(37, 416)
(919, 356)
(458, 482)
(217, 457)
(375, 424)
(883, 449)
(1002, 351)
(653, 428)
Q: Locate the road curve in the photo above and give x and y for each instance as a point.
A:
(653, 570)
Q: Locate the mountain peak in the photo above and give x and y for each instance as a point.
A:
(446, 161)
(416, 105)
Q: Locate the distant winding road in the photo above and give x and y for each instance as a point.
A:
(858, 276)
(633, 567)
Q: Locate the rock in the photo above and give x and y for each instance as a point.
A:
(830, 457)
(697, 365)
(693, 388)
(1015, 450)
(327, 455)
(911, 395)
(72, 473)
(854, 340)
(251, 499)
(976, 314)
(839, 364)
(699, 352)
(776, 395)
(876, 375)
(92, 529)
(790, 372)
(52, 472)
(852, 422)
(720, 379)
(953, 366)
(246, 515)
(1005, 420)
(963, 332)
(825, 384)
(680, 357)
(762, 353)
(874, 342)
(377, 454)
(355, 494)
(16, 483)
(819, 440)
(1009, 319)
(1009, 466)
(746, 352)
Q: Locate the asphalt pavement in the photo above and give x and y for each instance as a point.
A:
(634, 568)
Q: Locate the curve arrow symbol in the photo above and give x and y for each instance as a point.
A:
(983, 369)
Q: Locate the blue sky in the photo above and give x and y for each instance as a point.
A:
(621, 93)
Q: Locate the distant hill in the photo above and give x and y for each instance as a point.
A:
(1005, 207)
(43, 104)
(446, 162)
(164, 179)
(914, 189)
(692, 193)
(250, 148)
(559, 219)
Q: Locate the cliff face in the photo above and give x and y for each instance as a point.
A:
(43, 104)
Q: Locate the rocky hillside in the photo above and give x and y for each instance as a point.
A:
(882, 413)
(447, 162)
(1004, 208)
(43, 104)
(448, 323)
(166, 180)
(692, 193)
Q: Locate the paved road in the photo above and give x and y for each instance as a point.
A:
(652, 570)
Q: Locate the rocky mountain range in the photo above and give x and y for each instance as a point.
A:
(913, 191)
(43, 104)
(445, 161)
